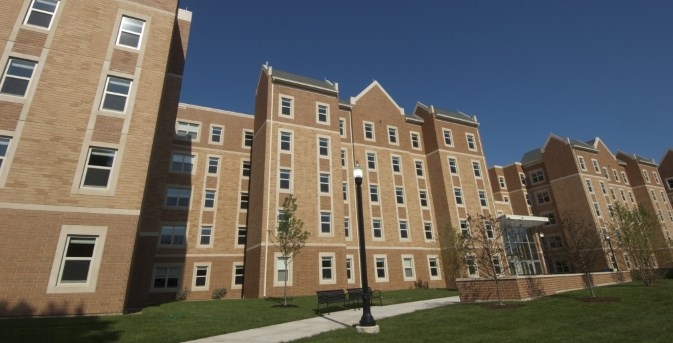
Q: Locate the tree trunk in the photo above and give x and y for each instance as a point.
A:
(285, 289)
(591, 287)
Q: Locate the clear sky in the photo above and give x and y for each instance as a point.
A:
(525, 68)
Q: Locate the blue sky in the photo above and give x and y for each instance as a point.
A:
(578, 69)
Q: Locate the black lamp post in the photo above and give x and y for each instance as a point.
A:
(613, 259)
(367, 319)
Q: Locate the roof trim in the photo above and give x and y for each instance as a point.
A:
(375, 83)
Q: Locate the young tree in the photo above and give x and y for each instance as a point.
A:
(454, 249)
(583, 247)
(487, 247)
(635, 230)
(290, 237)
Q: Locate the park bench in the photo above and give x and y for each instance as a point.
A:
(331, 297)
(355, 296)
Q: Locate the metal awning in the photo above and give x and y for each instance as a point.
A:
(515, 220)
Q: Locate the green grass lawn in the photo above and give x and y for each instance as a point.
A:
(180, 321)
(643, 315)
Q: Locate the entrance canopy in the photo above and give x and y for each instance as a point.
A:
(515, 220)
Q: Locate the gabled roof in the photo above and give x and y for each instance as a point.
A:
(459, 116)
(413, 117)
(583, 145)
(371, 86)
(302, 81)
(531, 156)
(638, 158)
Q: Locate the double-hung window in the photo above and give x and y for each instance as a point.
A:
(285, 141)
(448, 139)
(471, 143)
(374, 193)
(116, 94)
(392, 135)
(183, 163)
(285, 178)
(427, 230)
(419, 168)
(216, 134)
(130, 32)
(187, 130)
(17, 76)
(395, 161)
(324, 183)
(209, 199)
(77, 259)
(41, 13)
(323, 113)
(477, 169)
(399, 195)
(172, 235)
(371, 160)
(404, 229)
(178, 197)
(166, 277)
(377, 230)
(213, 164)
(98, 167)
(458, 194)
(325, 222)
(286, 106)
(4, 145)
(323, 146)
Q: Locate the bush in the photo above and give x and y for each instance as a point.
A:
(219, 293)
(420, 284)
(182, 294)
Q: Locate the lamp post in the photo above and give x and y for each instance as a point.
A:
(613, 259)
(367, 322)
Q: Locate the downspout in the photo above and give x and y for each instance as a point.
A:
(268, 191)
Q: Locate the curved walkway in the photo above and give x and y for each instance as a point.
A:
(336, 320)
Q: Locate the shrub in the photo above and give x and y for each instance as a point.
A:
(182, 294)
(219, 293)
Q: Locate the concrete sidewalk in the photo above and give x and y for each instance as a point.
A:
(336, 320)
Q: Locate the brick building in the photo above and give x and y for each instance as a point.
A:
(84, 85)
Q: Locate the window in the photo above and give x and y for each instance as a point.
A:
(477, 169)
(580, 160)
(470, 142)
(427, 230)
(501, 181)
(324, 183)
(408, 268)
(201, 277)
(423, 195)
(166, 277)
(627, 261)
(326, 269)
(522, 177)
(342, 127)
(537, 176)
(244, 200)
(656, 177)
(247, 138)
(213, 165)
(527, 199)
(344, 190)
(283, 272)
(626, 181)
(285, 177)
(285, 141)
(464, 228)
(371, 160)
(415, 140)
(602, 185)
(458, 194)
(325, 222)
(178, 197)
(615, 175)
(453, 166)
(561, 267)
(597, 168)
(369, 131)
(472, 266)
(395, 161)
(209, 199)
(392, 135)
(597, 209)
(646, 176)
(376, 228)
(631, 197)
(18, 74)
(98, 167)
(343, 158)
(399, 195)
(246, 169)
(505, 198)
(419, 168)
(41, 13)
(130, 32)
(404, 229)
(347, 227)
(605, 173)
(188, 130)
(183, 163)
(543, 197)
(4, 146)
(350, 276)
(555, 242)
(590, 187)
(116, 93)
(286, 106)
(433, 263)
(172, 235)
(77, 259)
(381, 269)
(374, 193)
(241, 235)
(448, 139)
(489, 230)
(623, 195)
(482, 198)
(612, 193)
(216, 134)
(551, 217)
(239, 274)
(497, 267)
(323, 144)
(323, 113)
(205, 235)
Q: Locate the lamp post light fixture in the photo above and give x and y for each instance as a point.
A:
(367, 322)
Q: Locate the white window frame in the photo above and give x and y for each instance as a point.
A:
(209, 198)
(417, 164)
(122, 30)
(472, 273)
(501, 182)
(322, 106)
(5, 142)
(365, 125)
(476, 168)
(243, 195)
(282, 106)
(583, 165)
(597, 167)
(112, 80)
(285, 176)
(234, 268)
(537, 176)
(331, 257)
(342, 127)
(110, 169)
(403, 229)
(453, 165)
(245, 163)
(371, 160)
(647, 176)
(326, 141)
(6, 75)
(350, 269)
(187, 130)
(399, 196)
(246, 134)
(213, 162)
(170, 230)
(423, 195)
(178, 193)
(378, 221)
(471, 142)
(72, 231)
(543, 197)
(207, 266)
(278, 264)
(209, 235)
(325, 220)
(393, 137)
(213, 128)
(458, 196)
(437, 267)
(239, 230)
(384, 259)
(182, 156)
(447, 135)
(396, 163)
(590, 186)
(324, 183)
(408, 258)
(32, 9)
(418, 145)
(374, 196)
(427, 229)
